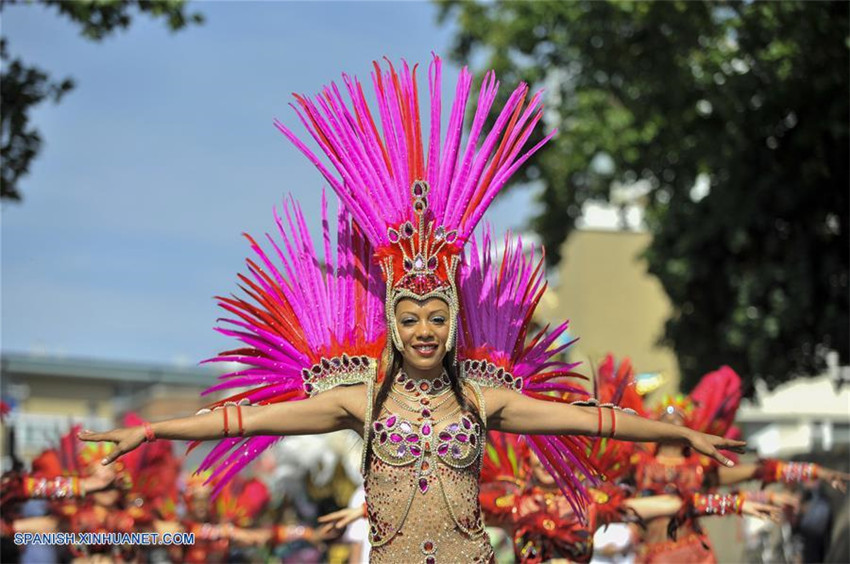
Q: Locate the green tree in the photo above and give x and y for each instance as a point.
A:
(22, 86)
(750, 96)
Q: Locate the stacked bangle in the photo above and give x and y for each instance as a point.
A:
(717, 504)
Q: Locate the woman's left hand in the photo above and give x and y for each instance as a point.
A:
(709, 445)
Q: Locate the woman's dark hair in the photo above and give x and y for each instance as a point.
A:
(395, 364)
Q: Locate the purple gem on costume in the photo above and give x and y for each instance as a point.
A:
(391, 421)
(378, 426)
(396, 438)
(392, 235)
(409, 385)
(405, 427)
(308, 388)
(456, 451)
(451, 236)
(439, 233)
(383, 437)
(418, 189)
(408, 264)
(415, 450)
(401, 451)
(473, 440)
(467, 424)
(407, 230)
(426, 412)
(426, 429)
(453, 428)
(413, 438)
(355, 361)
(444, 436)
(423, 485)
(432, 263)
(430, 560)
(442, 449)
(462, 437)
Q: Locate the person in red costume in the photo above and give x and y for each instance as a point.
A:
(215, 522)
(519, 495)
(124, 500)
(674, 469)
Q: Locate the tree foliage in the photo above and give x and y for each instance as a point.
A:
(750, 96)
(24, 86)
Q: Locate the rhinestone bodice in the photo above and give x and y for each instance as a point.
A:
(422, 483)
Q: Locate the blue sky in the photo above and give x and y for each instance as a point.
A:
(164, 154)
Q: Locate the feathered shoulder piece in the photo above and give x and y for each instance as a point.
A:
(306, 322)
(417, 200)
(499, 295)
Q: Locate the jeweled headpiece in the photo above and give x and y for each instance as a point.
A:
(428, 258)
(417, 207)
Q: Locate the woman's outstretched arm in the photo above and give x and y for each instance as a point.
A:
(514, 413)
(340, 408)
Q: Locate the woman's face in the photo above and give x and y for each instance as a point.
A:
(424, 331)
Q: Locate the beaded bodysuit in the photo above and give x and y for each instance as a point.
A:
(423, 478)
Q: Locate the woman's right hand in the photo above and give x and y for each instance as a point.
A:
(762, 511)
(125, 439)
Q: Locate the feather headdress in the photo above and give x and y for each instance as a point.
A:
(417, 205)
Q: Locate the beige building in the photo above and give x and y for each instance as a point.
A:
(614, 305)
(49, 395)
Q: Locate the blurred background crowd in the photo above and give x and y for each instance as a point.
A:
(694, 207)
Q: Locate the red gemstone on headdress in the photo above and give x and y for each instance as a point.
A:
(419, 188)
(432, 263)
(420, 204)
(451, 236)
(308, 388)
(355, 361)
(408, 264)
(392, 235)
(407, 230)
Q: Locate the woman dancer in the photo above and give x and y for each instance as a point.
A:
(672, 468)
(424, 427)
